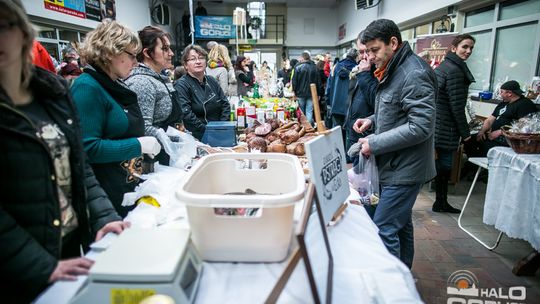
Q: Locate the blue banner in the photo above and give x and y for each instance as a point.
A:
(212, 27)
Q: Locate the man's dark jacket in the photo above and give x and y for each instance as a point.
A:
(305, 74)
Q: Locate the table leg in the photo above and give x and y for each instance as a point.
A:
(528, 265)
(463, 211)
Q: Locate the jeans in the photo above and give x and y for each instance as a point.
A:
(306, 105)
(393, 216)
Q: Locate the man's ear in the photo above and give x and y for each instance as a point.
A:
(394, 43)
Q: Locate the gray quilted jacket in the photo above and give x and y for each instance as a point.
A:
(153, 94)
(404, 120)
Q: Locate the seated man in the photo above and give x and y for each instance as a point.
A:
(513, 106)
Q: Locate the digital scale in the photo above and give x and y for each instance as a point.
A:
(141, 263)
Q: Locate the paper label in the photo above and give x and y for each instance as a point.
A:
(130, 296)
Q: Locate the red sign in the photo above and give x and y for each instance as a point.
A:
(433, 48)
(342, 31)
(64, 10)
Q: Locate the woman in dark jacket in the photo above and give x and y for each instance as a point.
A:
(454, 78)
(51, 202)
(201, 98)
(243, 80)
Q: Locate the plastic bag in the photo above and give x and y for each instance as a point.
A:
(180, 146)
(366, 181)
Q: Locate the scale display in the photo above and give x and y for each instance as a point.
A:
(141, 263)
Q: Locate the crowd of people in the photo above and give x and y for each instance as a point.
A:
(74, 143)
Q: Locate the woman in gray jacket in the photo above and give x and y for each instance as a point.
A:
(155, 93)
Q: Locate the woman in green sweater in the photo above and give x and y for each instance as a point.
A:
(112, 123)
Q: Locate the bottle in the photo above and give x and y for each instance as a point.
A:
(256, 90)
(233, 113)
(241, 117)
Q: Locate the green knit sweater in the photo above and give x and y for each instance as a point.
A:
(103, 123)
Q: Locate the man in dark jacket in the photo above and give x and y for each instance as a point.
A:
(362, 90)
(305, 73)
(338, 93)
(402, 142)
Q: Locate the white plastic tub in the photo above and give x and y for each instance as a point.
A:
(262, 238)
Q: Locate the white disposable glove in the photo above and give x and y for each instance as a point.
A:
(149, 145)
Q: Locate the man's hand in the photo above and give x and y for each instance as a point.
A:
(366, 151)
(116, 227)
(480, 136)
(361, 125)
(467, 139)
(364, 65)
(494, 134)
(69, 269)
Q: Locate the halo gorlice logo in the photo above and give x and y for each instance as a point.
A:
(463, 288)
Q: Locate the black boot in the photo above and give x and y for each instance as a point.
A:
(441, 193)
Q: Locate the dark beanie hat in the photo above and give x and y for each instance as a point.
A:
(513, 86)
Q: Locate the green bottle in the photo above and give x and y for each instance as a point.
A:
(256, 91)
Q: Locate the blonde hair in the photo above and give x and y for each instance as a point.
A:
(220, 53)
(16, 8)
(109, 39)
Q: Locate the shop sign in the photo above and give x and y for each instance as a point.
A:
(245, 47)
(433, 48)
(328, 171)
(87, 9)
(342, 31)
(213, 27)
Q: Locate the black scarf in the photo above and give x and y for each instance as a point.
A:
(118, 92)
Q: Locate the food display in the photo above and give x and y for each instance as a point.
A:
(277, 136)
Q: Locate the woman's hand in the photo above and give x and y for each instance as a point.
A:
(69, 269)
(116, 227)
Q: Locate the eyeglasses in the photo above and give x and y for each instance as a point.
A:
(131, 55)
(6, 25)
(200, 58)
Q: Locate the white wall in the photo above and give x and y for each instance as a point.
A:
(397, 10)
(325, 27)
(133, 13)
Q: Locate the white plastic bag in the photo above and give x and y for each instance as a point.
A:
(180, 146)
(366, 181)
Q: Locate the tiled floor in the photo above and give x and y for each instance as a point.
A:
(442, 248)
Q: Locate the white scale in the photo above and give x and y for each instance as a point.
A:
(141, 263)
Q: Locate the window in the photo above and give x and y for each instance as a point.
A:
(506, 48)
(479, 62)
(480, 16)
(257, 19)
(513, 64)
(513, 9)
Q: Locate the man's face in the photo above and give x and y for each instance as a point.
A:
(362, 50)
(379, 53)
(506, 95)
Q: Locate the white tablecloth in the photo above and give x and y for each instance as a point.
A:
(364, 272)
(513, 194)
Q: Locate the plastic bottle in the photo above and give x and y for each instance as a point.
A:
(233, 113)
(256, 91)
(241, 117)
